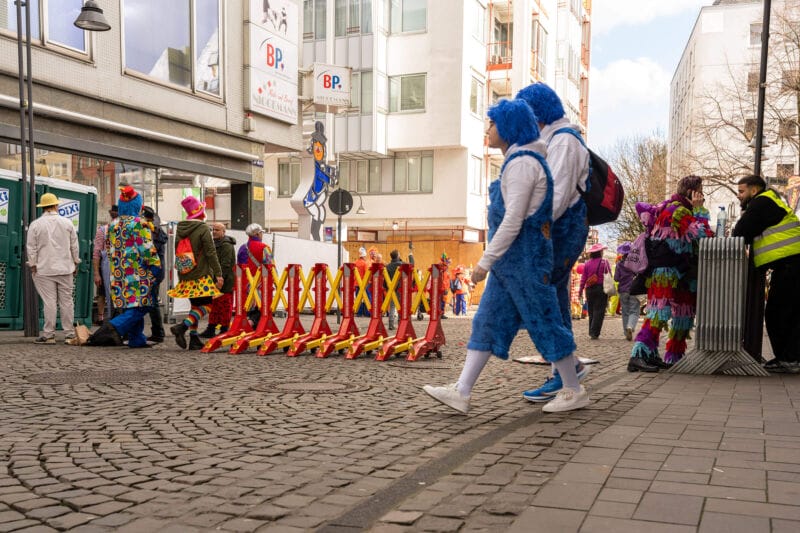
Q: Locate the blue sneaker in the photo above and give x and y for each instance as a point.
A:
(548, 391)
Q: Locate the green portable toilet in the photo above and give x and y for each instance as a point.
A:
(78, 203)
(10, 250)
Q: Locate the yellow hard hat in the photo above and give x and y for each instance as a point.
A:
(48, 199)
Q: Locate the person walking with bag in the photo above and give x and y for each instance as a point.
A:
(630, 306)
(251, 255)
(222, 305)
(520, 258)
(199, 272)
(594, 272)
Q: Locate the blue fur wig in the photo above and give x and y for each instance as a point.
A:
(544, 101)
(130, 202)
(514, 121)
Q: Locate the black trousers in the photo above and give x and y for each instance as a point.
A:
(156, 319)
(782, 313)
(596, 301)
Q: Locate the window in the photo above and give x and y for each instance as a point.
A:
(175, 42)
(494, 172)
(538, 49)
(361, 92)
(57, 28)
(479, 21)
(408, 15)
(752, 82)
(359, 17)
(787, 128)
(288, 177)
(407, 93)
(363, 176)
(785, 170)
(320, 18)
(374, 175)
(476, 97)
(755, 34)
(340, 17)
(413, 172)
(749, 128)
(308, 20)
(790, 81)
(477, 180)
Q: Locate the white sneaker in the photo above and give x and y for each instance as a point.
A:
(449, 396)
(567, 400)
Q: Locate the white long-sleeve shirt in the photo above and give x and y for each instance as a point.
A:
(52, 245)
(523, 186)
(569, 164)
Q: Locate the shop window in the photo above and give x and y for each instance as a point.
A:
(176, 42)
(408, 15)
(407, 93)
(413, 172)
(288, 177)
(56, 28)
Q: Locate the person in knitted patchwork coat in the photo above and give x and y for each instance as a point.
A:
(519, 256)
(675, 226)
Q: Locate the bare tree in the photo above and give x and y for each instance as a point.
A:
(640, 162)
(724, 120)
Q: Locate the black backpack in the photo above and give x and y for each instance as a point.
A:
(604, 195)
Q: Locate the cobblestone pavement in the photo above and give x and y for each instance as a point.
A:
(95, 439)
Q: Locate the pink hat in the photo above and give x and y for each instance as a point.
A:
(597, 248)
(194, 208)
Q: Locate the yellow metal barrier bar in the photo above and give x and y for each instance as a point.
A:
(334, 285)
(342, 345)
(391, 295)
(371, 346)
(253, 292)
(420, 297)
(280, 282)
(307, 295)
(361, 296)
(286, 343)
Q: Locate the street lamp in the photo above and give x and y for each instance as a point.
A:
(91, 19)
(270, 189)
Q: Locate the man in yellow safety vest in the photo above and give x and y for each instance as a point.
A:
(773, 229)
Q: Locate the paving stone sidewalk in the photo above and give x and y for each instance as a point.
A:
(168, 440)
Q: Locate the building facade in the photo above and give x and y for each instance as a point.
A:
(163, 101)
(714, 94)
(411, 144)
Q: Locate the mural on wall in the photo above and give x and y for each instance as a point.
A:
(325, 177)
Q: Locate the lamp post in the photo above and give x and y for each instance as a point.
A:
(270, 189)
(91, 18)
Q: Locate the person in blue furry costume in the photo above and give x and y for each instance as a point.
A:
(135, 265)
(568, 159)
(520, 258)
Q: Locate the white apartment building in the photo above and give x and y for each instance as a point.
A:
(713, 97)
(411, 145)
(167, 100)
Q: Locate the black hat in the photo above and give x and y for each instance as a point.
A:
(114, 207)
(148, 212)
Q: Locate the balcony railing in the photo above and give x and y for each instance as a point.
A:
(498, 55)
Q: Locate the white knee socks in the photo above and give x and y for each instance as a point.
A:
(566, 369)
(473, 366)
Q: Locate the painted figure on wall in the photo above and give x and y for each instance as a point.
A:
(325, 176)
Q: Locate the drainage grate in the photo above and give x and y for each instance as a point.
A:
(314, 387)
(91, 376)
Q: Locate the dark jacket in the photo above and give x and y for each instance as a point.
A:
(205, 255)
(160, 242)
(226, 253)
(623, 276)
(391, 268)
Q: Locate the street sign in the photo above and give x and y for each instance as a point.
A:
(340, 202)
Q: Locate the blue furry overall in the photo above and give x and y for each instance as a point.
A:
(569, 237)
(518, 291)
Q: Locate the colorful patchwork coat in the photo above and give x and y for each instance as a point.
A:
(133, 262)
